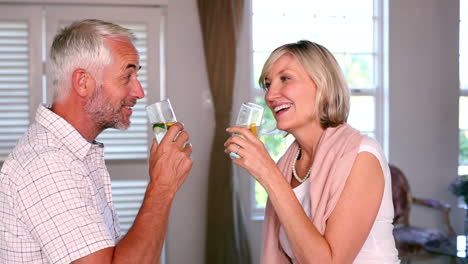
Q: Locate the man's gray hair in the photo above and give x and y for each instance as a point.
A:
(82, 45)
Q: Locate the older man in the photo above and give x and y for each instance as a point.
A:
(55, 194)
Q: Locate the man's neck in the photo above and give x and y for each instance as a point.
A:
(73, 112)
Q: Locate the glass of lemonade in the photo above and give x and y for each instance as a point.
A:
(161, 116)
(250, 116)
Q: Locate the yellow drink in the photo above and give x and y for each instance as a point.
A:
(253, 129)
(160, 129)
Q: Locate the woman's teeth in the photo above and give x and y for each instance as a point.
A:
(281, 107)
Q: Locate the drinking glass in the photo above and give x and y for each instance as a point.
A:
(250, 116)
(161, 116)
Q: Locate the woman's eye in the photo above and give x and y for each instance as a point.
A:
(284, 78)
(266, 86)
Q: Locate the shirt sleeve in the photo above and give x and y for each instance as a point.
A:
(56, 205)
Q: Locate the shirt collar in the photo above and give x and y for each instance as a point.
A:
(65, 132)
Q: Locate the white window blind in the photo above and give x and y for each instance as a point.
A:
(133, 143)
(14, 95)
(14, 83)
(21, 70)
(127, 197)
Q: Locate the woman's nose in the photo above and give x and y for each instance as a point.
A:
(272, 92)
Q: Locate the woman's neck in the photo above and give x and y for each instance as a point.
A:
(308, 139)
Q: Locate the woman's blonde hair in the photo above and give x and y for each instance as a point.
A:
(332, 97)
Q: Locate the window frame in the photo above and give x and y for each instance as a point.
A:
(54, 15)
(463, 87)
(462, 167)
(39, 48)
(157, 3)
(32, 15)
(380, 93)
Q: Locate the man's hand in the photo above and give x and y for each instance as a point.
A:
(170, 162)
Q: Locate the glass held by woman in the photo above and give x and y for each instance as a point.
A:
(250, 116)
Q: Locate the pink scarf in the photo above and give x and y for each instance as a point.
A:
(334, 158)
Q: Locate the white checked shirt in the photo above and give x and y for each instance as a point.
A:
(55, 196)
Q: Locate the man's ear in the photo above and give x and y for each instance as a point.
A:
(82, 82)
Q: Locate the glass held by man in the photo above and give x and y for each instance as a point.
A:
(162, 117)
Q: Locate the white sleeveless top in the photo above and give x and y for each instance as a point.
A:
(379, 247)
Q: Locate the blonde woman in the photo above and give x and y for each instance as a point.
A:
(329, 195)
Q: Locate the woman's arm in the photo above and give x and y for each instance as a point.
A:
(349, 224)
(350, 221)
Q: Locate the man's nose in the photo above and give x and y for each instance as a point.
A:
(137, 90)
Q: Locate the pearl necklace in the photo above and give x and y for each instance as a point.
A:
(294, 169)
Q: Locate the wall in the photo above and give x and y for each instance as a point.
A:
(243, 86)
(423, 94)
(187, 86)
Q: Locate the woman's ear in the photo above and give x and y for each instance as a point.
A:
(82, 82)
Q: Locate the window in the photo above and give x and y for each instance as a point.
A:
(132, 143)
(351, 30)
(127, 197)
(463, 110)
(14, 82)
(18, 58)
(21, 70)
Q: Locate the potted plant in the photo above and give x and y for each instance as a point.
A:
(459, 187)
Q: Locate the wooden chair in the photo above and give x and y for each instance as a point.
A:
(410, 239)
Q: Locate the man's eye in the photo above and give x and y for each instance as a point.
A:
(127, 78)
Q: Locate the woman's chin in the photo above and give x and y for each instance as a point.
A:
(282, 127)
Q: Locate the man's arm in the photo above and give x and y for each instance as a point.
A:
(170, 164)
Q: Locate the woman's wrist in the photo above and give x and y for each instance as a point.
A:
(272, 180)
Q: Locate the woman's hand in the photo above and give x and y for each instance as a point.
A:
(253, 155)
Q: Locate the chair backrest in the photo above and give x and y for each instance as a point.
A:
(401, 194)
